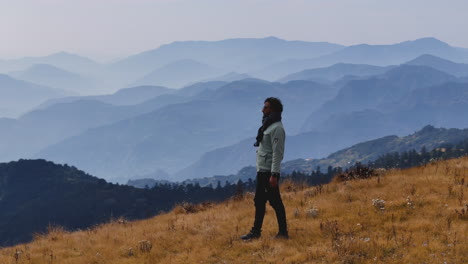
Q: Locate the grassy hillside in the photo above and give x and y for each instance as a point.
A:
(423, 219)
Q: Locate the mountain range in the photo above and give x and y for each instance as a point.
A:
(336, 72)
(48, 75)
(400, 101)
(17, 97)
(379, 55)
(428, 137)
(239, 55)
(62, 60)
(178, 74)
(186, 133)
(182, 63)
(176, 135)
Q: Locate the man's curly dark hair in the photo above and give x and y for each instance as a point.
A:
(275, 104)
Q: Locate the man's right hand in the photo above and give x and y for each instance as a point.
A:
(273, 182)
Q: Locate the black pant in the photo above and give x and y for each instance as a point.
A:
(263, 193)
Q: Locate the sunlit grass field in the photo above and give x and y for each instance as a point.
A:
(417, 215)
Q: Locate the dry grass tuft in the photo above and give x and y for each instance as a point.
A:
(423, 219)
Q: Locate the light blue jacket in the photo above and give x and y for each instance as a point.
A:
(271, 150)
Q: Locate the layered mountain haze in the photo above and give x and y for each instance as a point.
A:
(343, 96)
(178, 74)
(399, 101)
(126, 96)
(63, 60)
(336, 72)
(455, 69)
(38, 129)
(428, 138)
(230, 77)
(441, 104)
(240, 55)
(379, 55)
(53, 122)
(383, 92)
(16, 96)
(51, 76)
(397, 53)
(174, 136)
(200, 88)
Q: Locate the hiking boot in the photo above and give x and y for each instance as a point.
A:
(251, 235)
(282, 235)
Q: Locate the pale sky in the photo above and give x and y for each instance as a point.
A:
(109, 29)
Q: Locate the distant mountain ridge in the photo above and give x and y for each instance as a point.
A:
(239, 55)
(428, 137)
(126, 96)
(177, 134)
(378, 55)
(16, 96)
(382, 92)
(59, 119)
(178, 74)
(64, 60)
(455, 69)
(401, 100)
(266, 58)
(48, 75)
(335, 72)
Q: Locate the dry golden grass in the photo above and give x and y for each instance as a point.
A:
(422, 222)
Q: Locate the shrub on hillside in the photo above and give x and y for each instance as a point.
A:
(357, 171)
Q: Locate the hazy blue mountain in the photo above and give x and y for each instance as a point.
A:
(428, 137)
(340, 83)
(439, 105)
(50, 124)
(175, 136)
(221, 161)
(336, 72)
(228, 160)
(179, 73)
(455, 69)
(16, 96)
(40, 128)
(397, 53)
(230, 77)
(231, 54)
(63, 60)
(126, 96)
(200, 87)
(379, 55)
(417, 106)
(51, 76)
(442, 105)
(135, 95)
(382, 92)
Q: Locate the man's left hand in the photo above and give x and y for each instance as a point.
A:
(273, 181)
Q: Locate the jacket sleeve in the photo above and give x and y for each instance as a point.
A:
(278, 137)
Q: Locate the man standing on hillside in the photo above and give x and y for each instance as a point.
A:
(270, 143)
